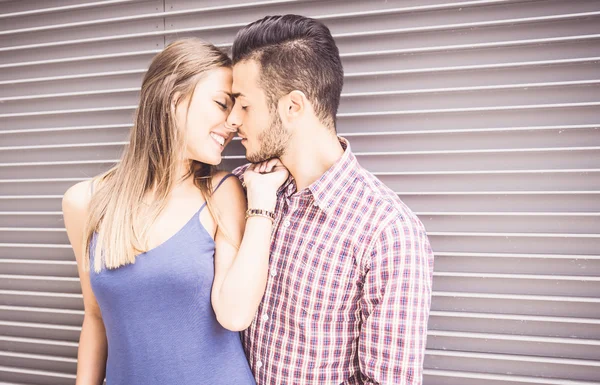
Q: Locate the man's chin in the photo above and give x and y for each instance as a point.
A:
(257, 157)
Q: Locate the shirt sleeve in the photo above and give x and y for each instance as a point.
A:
(395, 305)
(239, 172)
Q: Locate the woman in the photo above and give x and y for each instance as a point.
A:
(167, 283)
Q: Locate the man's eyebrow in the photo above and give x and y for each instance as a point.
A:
(237, 95)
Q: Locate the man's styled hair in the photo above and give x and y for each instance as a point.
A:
(294, 53)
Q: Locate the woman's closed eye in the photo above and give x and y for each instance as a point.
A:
(223, 106)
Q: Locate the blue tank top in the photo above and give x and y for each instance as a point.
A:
(160, 324)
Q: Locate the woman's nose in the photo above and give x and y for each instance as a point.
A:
(230, 127)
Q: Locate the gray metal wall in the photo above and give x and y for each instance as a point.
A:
(482, 115)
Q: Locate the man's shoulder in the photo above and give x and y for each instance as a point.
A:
(385, 204)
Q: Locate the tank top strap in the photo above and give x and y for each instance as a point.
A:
(218, 185)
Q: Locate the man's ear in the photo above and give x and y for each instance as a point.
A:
(294, 105)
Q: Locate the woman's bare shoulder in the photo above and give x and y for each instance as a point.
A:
(77, 197)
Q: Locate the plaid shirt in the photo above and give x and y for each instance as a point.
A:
(349, 288)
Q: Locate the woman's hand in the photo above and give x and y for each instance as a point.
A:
(262, 180)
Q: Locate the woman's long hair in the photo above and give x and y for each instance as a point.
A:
(149, 164)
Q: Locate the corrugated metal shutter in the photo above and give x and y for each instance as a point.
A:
(482, 115)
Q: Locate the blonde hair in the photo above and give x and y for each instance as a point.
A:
(117, 213)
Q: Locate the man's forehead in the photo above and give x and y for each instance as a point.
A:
(244, 75)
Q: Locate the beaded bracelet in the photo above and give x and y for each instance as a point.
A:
(260, 213)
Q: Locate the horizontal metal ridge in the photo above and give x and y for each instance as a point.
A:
(38, 262)
(39, 277)
(343, 95)
(80, 58)
(515, 255)
(473, 24)
(36, 229)
(503, 377)
(485, 172)
(507, 213)
(514, 337)
(41, 310)
(473, 67)
(10, 369)
(121, 18)
(38, 341)
(31, 196)
(539, 277)
(64, 8)
(419, 29)
(515, 317)
(39, 325)
(165, 14)
(478, 151)
(40, 294)
(37, 356)
(499, 234)
(42, 180)
(457, 47)
(72, 77)
(463, 109)
(31, 213)
(60, 112)
(57, 163)
(68, 145)
(70, 94)
(34, 245)
(558, 192)
(522, 297)
(473, 88)
(515, 357)
(56, 129)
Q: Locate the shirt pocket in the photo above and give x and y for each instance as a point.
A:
(324, 287)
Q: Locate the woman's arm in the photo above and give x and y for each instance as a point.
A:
(92, 352)
(241, 275)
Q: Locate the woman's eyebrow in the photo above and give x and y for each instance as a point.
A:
(229, 94)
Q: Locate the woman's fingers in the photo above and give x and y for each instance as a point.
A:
(271, 164)
(267, 166)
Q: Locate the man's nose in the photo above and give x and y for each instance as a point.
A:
(233, 121)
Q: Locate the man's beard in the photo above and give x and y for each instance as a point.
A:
(273, 141)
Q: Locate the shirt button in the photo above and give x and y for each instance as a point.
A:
(258, 364)
(287, 223)
(265, 318)
(273, 273)
(316, 204)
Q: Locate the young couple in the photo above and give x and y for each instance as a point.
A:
(324, 270)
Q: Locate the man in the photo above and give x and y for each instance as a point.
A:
(349, 289)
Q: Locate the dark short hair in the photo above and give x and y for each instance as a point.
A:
(294, 53)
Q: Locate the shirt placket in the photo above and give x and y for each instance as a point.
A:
(265, 317)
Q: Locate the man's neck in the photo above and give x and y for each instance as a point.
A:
(310, 156)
